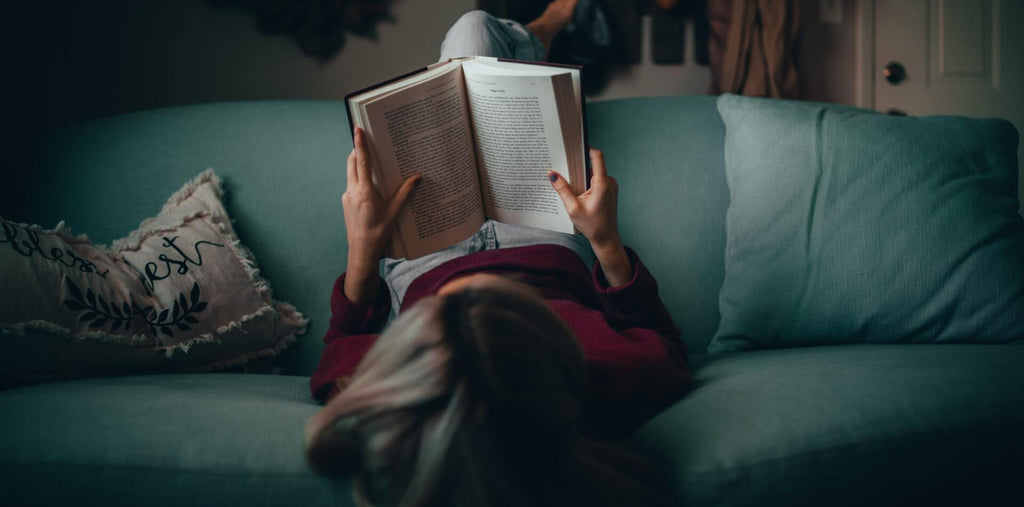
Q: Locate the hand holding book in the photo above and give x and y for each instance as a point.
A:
(369, 221)
(483, 132)
(594, 213)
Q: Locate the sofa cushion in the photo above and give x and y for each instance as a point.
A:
(851, 226)
(180, 293)
(189, 439)
(879, 424)
(892, 422)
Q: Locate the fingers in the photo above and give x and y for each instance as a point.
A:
(564, 192)
(597, 163)
(352, 177)
(362, 161)
(402, 195)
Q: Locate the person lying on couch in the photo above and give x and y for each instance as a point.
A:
(511, 358)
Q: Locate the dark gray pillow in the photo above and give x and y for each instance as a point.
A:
(850, 226)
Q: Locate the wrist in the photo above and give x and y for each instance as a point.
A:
(361, 287)
(608, 248)
(615, 263)
(361, 278)
(362, 263)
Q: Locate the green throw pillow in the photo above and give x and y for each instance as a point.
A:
(849, 226)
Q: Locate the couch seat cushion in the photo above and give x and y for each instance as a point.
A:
(196, 439)
(847, 425)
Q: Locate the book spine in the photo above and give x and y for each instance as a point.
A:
(348, 97)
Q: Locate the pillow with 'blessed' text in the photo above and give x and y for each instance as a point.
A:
(178, 294)
(849, 226)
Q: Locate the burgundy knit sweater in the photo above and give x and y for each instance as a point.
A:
(636, 362)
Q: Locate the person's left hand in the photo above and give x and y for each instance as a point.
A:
(594, 212)
(369, 218)
(595, 215)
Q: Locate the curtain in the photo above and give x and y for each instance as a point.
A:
(753, 47)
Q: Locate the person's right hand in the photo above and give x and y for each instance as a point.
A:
(369, 221)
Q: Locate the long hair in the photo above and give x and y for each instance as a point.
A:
(473, 399)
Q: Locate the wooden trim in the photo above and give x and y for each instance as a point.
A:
(995, 56)
(865, 59)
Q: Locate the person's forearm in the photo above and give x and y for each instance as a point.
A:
(361, 282)
(615, 263)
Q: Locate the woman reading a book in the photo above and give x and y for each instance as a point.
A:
(513, 355)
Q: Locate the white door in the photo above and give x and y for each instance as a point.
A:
(963, 57)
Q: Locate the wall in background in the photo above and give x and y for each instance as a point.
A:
(650, 79)
(67, 61)
(123, 55)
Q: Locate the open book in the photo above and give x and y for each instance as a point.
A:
(484, 132)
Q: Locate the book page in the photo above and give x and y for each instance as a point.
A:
(570, 106)
(425, 129)
(519, 139)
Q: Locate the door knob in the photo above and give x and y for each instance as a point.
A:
(894, 73)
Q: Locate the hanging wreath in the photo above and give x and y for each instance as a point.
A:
(318, 26)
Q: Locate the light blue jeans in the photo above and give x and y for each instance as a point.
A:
(477, 33)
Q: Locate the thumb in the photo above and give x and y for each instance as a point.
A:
(562, 187)
(402, 195)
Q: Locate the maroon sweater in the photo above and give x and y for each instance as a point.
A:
(636, 362)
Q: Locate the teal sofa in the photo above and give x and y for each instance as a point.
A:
(830, 425)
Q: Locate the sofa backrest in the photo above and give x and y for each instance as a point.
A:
(283, 168)
(667, 155)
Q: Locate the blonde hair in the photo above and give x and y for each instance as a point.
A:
(473, 399)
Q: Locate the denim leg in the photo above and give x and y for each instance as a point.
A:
(477, 33)
(398, 274)
(512, 236)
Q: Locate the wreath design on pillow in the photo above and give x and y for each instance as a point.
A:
(120, 315)
(180, 293)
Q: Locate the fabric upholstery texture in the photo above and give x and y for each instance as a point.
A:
(847, 425)
(180, 293)
(893, 424)
(851, 226)
(672, 198)
(184, 439)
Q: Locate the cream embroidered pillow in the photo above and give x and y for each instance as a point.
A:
(178, 294)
